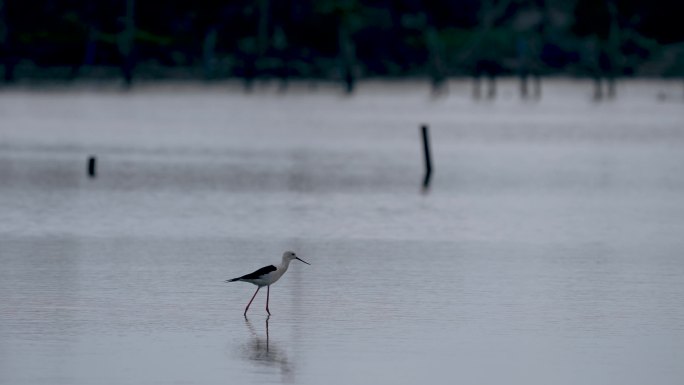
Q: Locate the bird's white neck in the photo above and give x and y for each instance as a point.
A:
(285, 264)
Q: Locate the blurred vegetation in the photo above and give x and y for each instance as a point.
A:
(340, 40)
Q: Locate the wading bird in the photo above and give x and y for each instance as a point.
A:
(266, 276)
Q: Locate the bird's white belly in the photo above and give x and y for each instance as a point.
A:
(267, 279)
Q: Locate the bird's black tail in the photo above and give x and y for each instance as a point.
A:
(233, 280)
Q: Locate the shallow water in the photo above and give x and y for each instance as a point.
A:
(548, 249)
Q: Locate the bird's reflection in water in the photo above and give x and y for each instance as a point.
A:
(262, 351)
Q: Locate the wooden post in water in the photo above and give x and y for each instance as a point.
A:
(426, 152)
(92, 172)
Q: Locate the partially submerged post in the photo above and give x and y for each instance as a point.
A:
(91, 166)
(426, 152)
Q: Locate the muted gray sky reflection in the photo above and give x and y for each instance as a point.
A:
(266, 354)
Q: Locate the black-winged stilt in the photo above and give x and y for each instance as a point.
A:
(266, 276)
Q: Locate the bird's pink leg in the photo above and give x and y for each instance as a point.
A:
(268, 291)
(250, 301)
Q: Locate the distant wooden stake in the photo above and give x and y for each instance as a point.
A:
(91, 167)
(426, 152)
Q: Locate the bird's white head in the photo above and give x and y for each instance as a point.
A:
(290, 255)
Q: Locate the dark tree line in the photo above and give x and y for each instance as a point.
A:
(340, 40)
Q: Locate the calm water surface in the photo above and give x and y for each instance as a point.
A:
(548, 251)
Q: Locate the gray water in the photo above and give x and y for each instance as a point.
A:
(549, 249)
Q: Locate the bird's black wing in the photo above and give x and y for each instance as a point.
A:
(263, 271)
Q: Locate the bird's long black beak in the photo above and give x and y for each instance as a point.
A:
(303, 260)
